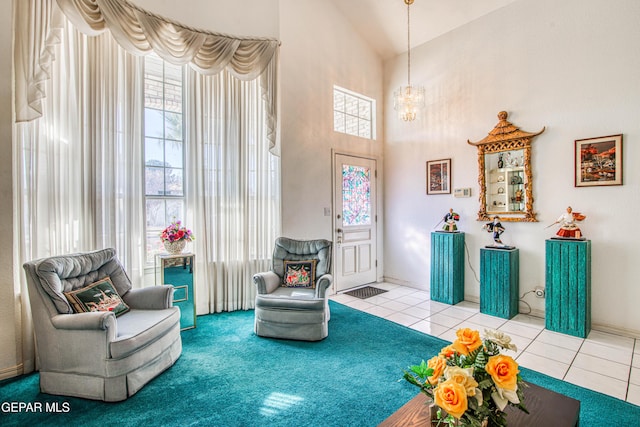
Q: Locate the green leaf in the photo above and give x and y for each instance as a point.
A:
(421, 370)
(484, 384)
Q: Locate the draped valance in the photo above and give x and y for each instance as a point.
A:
(139, 32)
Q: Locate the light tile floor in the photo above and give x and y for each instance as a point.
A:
(603, 362)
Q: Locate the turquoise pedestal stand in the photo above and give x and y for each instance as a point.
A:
(568, 286)
(447, 267)
(499, 282)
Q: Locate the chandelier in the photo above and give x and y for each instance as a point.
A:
(408, 100)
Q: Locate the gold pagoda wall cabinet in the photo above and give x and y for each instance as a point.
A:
(504, 173)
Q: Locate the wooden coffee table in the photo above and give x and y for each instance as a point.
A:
(546, 408)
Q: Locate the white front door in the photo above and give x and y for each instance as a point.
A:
(355, 220)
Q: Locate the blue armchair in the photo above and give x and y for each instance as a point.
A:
(94, 354)
(291, 300)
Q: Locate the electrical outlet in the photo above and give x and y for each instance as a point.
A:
(539, 291)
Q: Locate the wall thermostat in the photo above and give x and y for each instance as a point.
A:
(462, 192)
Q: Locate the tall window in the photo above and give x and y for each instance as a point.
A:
(353, 113)
(164, 148)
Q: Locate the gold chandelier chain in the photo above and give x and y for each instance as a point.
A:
(408, 2)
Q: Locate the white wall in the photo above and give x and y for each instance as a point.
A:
(571, 66)
(257, 18)
(320, 49)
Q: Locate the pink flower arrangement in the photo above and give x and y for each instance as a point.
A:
(176, 232)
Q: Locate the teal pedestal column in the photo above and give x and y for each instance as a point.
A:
(499, 282)
(447, 267)
(568, 286)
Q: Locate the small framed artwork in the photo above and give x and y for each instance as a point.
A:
(598, 161)
(439, 176)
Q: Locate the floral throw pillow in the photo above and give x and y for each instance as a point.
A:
(300, 274)
(98, 296)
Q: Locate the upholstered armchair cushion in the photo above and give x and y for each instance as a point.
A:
(68, 273)
(299, 250)
(300, 313)
(95, 355)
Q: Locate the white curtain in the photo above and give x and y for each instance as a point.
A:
(81, 162)
(37, 26)
(79, 168)
(233, 188)
(78, 154)
(139, 31)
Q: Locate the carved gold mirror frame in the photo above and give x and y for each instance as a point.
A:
(505, 190)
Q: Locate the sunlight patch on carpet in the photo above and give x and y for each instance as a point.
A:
(276, 403)
(366, 292)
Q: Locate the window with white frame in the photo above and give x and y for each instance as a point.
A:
(163, 148)
(353, 113)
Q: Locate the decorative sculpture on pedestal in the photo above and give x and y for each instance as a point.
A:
(450, 221)
(568, 227)
(497, 229)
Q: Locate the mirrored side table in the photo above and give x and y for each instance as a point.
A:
(177, 271)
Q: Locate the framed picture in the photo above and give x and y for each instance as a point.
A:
(439, 176)
(598, 161)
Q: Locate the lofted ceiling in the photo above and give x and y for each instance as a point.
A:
(384, 22)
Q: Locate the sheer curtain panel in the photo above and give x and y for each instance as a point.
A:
(79, 152)
(234, 191)
(37, 27)
(79, 167)
(139, 31)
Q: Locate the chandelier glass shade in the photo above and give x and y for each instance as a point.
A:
(409, 100)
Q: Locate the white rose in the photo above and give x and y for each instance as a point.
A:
(500, 339)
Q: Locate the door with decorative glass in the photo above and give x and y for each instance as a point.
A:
(355, 220)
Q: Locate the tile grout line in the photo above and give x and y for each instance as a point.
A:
(418, 300)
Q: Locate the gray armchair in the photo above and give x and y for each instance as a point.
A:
(95, 355)
(290, 309)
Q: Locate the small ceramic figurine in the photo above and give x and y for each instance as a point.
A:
(518, 195)
(496, 228)
(450, 221)
(568, 227)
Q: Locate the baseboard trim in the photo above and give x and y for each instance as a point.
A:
(12, 371)
(627, 333)
(405, 283)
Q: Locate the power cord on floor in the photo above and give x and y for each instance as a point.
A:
(469, 262)
(524, 302)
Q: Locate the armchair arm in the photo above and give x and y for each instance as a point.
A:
(58, 346)
(266, 282)
(94, 320)
(322, 284)
(150, 298)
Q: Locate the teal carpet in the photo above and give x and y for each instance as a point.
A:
(227, 376)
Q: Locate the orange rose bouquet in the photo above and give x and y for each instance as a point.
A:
(470, 381)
